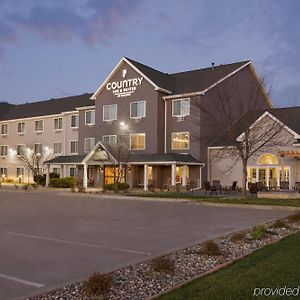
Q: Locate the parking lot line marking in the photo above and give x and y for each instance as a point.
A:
(76, 243)
(19, 280)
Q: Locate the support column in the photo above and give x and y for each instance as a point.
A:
(267, 176)
(85, 179)
(145, 177)
(184, 167)
(295, 170)
(47, 176)
(282, 168)
(173, 174)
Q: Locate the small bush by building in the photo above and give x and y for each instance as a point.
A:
(210, 248)
(65, 182)
(121, 186)
(280, 224)
(238, 237)
(97, 285)
(258, 232)
(163, 265)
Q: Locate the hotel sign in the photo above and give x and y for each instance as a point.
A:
(126, 87)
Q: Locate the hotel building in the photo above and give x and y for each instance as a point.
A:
(157, 115)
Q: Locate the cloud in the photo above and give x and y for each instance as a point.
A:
(7, 35)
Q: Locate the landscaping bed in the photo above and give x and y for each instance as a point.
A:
(152, 277)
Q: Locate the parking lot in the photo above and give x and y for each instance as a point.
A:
(48, 239)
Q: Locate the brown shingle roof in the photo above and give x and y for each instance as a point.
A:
(48, 107)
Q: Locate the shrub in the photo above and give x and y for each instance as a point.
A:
(25, 187)
(238, 237)
(97, 285)
(40, 179)
(258, 232)
(66, 182)
(121, 186)
(280, 224)
(210, 248)
(294, 218)
(163, 265)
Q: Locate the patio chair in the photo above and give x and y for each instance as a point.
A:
(284, 185)
(207, 186)
(297, 186)
(233, 187)
(216, 186)
(253, 189)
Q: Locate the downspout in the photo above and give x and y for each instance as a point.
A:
(165, 133)
(208, 165)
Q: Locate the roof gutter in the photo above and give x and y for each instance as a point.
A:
(184, 95)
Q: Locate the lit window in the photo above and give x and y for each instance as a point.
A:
(89, 143)
(21, 149)
(181, 107)
(3, 171)
(39, 125)
(20, 172)
(110, 112)
(90, 117)
(180, 140)
(21, 127)
(137, 109)
(57, 148)
(58, 123)
(137, 141)
(38, 148)
(111, 139)
(4, 129)
(74, 147)
(3, 150)
(267, 159)
(74, 121)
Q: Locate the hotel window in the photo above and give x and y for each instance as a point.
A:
(57, 148)
(39, 125)
(20, 172)
(90, 117)
(72, 172)
(56, 171)
(3, 150)
(21, 127)
(137, 141)
(74, 147)
(89, 143)
(181, 107)
(111, 139)
(3, 171)
(138, 109)
(21, 149)
(74, 121)
(110, 112)
(58, 123)
(180, 140)
(4, 129)
(38, 148)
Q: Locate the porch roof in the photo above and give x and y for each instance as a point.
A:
(164, 158)
(69, 159)
(290, 153)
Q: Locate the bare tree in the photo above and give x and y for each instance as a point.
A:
(33, 158)
(118, 158)
(233, 119)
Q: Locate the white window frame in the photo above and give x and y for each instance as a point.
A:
(77, 117)
(58, 169)
(110, 105)
(21, 132)
(2, 125)
(35, 125)
(138, 117)
(144, 134)
(85, 114)
(85, 150)
(58, 123)
(181, 115)
(61, 148)
(5, 173)
(35, 148)
(4, 147)
(21, 168)
(109, 137)
(75, 173)
(184, 132)
(75, 141)
(24, 149)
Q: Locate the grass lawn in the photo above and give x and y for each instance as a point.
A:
(212, 199)
(277, 265)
